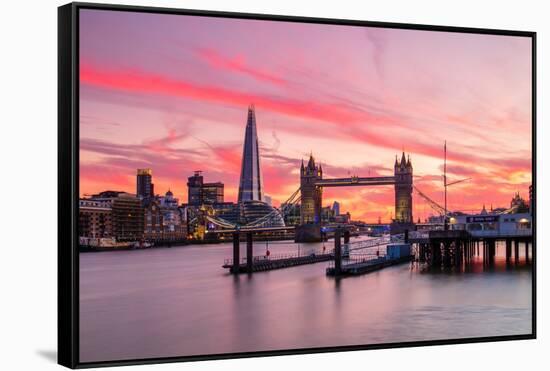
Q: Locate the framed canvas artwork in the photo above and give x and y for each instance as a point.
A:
(236, 185)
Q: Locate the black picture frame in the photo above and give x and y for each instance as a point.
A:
(68, 182)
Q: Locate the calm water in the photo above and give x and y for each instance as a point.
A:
(166, 302)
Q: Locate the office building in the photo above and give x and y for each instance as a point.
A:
(144, 185)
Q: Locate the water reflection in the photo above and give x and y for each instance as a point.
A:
(179, 301)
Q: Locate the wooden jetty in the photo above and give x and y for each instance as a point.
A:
(252, 264)
(367, 266)
(262, 264)
(396, 253)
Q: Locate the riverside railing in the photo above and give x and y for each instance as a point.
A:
(272, 257)
(360, 259)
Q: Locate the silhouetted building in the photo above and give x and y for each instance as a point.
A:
(153, 226)
(343, 218)
(212, 193)
(194, 189)
(168, 200)
(228, 211)
(94, 219)
(144, 185)
(164, 221)
(292, 215)
(518, 204)
(483, 211)
(127, 214)
(106, 195)
(200, 193)
(327, 215)
(250, 186)
(336, 208)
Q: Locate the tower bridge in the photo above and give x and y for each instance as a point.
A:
(311, 196)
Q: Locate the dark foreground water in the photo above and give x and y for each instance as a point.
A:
(166, 302)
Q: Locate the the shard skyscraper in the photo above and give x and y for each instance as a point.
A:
(250, 187)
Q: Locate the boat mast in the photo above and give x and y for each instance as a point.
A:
(445, 181)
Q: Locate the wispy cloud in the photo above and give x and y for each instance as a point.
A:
(141, 82)
(238, 64)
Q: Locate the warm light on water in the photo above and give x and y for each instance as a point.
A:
(176, 302)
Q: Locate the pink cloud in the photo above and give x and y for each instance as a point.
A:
(238, 64)
(141, 82)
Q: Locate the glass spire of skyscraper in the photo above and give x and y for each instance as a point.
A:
(250, 186)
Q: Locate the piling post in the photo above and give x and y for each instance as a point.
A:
(526, 252)
(516, 251)
(249, 253)
(337, 252)
(437, 253)
(457, 253)
(485, 252)
(463, 250)
(236, 253)
(446, 254)
(426, 250)
(346, 236)
(508, 250)
(492, 251)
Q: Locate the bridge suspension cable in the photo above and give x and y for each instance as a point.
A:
(262, 221)
(285, 207)
(221, 222)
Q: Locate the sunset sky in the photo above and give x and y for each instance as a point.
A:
(171, 93)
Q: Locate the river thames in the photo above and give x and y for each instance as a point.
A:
(165, 302)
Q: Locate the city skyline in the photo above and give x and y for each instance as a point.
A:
(177, 104)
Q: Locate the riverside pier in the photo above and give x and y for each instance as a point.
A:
(452, 248)
(251, 263)
(357, 264)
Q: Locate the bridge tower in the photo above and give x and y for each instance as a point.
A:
(309, 229)
(311, 195)
(403, 172)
